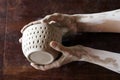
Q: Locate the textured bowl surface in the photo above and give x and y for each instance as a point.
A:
(36, 39)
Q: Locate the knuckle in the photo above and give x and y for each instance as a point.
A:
(48, 16)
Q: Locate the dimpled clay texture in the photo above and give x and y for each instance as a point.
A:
(35, 42)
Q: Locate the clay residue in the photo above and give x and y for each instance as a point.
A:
(105, 61)
(97, 59)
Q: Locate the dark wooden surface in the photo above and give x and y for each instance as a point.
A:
(14, 14)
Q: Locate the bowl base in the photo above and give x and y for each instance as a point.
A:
(41, 57)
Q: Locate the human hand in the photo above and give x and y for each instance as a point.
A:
(69, 54)
(109, 60)
(65, 21)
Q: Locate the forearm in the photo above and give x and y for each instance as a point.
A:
(99, 22)
(109, 60)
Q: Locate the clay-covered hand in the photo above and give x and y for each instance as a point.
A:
(63, 20)
(69, 54)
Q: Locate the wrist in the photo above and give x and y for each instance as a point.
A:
(79, 51)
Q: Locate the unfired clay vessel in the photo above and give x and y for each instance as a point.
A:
(35, 42)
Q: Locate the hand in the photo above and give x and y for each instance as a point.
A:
(109, 60)
(69, 54)
(64, 20)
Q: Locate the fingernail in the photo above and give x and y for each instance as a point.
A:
(54, 44)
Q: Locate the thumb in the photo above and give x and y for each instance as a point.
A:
(58, 47)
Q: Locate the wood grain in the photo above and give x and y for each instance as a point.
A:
(2, 33)
(20, 12)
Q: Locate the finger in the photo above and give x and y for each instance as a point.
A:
(38, 67)
(42, 68)
(34, 65)
(55, 64)
(61, 61)
(50, 66)
(29, 24)
(58, 47)
(46, 18)
(53, 17)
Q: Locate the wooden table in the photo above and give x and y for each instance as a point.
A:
(14, 14)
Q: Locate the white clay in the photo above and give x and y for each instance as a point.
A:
(109, 60)
(35, 42)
